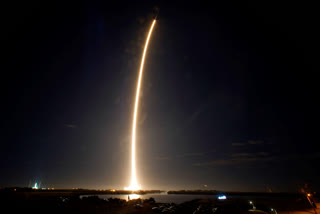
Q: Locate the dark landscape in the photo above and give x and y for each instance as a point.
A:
(159, 107)
(24, 200)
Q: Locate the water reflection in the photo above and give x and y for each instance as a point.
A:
(133, 196)
(159, 197)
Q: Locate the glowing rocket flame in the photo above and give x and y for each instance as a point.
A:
(134, 185)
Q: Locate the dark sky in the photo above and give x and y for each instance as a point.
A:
(228, 95)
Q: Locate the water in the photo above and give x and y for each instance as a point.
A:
(168, 198)
(161, 197)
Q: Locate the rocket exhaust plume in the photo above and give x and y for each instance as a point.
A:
(134, 184)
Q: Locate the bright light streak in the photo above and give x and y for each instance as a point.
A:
(134, 184)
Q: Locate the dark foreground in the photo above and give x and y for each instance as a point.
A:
(69, 203)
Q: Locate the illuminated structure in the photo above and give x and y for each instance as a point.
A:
(134, 185)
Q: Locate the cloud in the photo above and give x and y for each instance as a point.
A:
(253, 159)
(237, 159)
(215, 163)
(256, 154)
(162, 158)
(196, 154)
(72, 126)
(248, 159)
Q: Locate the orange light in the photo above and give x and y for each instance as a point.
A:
(309, 194)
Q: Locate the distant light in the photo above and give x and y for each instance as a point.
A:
(309, 194)
(113, 190)
(222, 197)
(35, 186)
(250, 202)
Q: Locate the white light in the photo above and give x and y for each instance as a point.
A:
(134, 184)
(222, 197)
(133, 196)
(35, 186)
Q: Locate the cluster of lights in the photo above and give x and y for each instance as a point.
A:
(222, 197)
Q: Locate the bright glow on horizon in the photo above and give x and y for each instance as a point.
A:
(222, 197)
(133, 196)
(35, 186)
(134, 184)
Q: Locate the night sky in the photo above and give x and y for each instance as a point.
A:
(228, 95)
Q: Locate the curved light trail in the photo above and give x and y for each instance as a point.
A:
(134, 185)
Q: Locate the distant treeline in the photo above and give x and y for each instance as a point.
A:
(194, 192)
(216, 192)
(75, 191)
